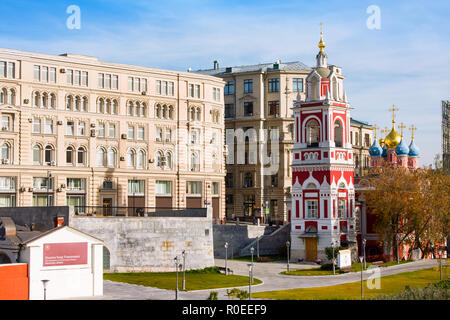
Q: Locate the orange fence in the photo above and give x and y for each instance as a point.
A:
(14, 282)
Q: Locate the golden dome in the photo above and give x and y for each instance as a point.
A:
(381, 141)
(392, 139)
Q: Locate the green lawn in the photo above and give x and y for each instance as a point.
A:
(319, 272)
(389, 285)
(208, 278)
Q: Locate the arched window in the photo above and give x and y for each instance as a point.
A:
(137, 107)
(100, 106)
(130, 108)
(108, 106)
(114, 106)
(311, 186)
(198, 115)
(192, 114)
(158, 111)
(77, 103)
(81, 156)
(48, 154)
(164, 111)
(160, 160)
(6, 153)
(169, 160)
(101, 157)
(143, 110)
(312, 133)
(52, 101)
(111, 157)
(140, 160)
(130, 158)
(37, 154)
(69, 155)
(170, 112)
(338, 134)
(69, 102)
(84, 104)
(12, 97)
(3, 96)
(44, 100)
(36, 99)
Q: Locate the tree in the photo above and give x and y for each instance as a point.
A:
(411, 206)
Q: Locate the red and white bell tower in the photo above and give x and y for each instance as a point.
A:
(323, 195)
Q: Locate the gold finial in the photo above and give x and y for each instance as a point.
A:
(401, 127)
(393, 113)
(412, 129)
(385, 131)
(375, 128)
(321, 44)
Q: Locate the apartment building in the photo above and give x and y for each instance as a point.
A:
(261, 97)
(79, 131)
(361, 134)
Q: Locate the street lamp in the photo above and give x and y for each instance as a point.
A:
(362, 292)
(440, 264)
(184, 269)
(251, 251)
(257, 248)
(250, 278)
(333, 262)
(364, 252)
(226, 256)
(287, 246)
(176, 268)
(44, 282)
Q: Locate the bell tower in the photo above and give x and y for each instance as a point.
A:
(323, 195)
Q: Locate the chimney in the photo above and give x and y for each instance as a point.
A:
(216, 65)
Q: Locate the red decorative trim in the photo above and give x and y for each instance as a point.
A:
(324, 227)
(298, 227)
(325, 154)
(325, 208)
(335, 227)
(297, 156)
(297, 208)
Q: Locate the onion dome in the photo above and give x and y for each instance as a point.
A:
(413, 150)
(392, 139)
(375, 150)
(402, 149)
(384, 153)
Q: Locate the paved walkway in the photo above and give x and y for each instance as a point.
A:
(268, 272)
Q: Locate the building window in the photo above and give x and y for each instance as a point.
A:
(216, 94)
(84, 79)
(136, 187)
(248, 180)
(274, 85)
(111, 158)
(36, 125)
(6, 153)
(338, 134)
(297, 85)
(81, 128)
(274, 107)
(37, 73)
(81, 154)
(367, 140)
(194, 187)
(312, 133)
(37, 154)
(215, 189)
(229, 180)
(248, 86)
(341, 208)
(101, 130)
(6, 123)
(140, 159)
(311, 209)
(229, 110)
(130, 133)
(130, 158)
(229, 88)
(248, 108)
(101, 157)
(48, 154)
(76, 184)
(8, 192)
(163, 188)
(69, 155)
(140, 133)
(195, 162)
(11, 70)
(111, 131)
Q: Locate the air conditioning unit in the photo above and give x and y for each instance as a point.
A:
(158, 139)
(92, 125)
(53, 163)
(144, 93)
(4, 128)
(122, 158)
(22, 189)
(93, 133)
(59, 122)
(167, 140)
(124, 136)
(5, 161)
(30, 189)
(62, 70)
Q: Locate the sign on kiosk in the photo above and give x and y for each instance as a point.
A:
(344, 258)
(65, 254)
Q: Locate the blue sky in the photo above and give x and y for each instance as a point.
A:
(406, 62)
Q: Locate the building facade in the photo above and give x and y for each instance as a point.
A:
(79, 131)
(323, 194)
(259, 97)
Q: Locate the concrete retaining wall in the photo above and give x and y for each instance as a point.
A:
(269, 243)
(139, 244)
(237, 236)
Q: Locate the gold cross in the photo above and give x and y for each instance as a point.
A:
(375, 128)
(412, 129)
(385, 131)
(393, 112)
(401, 127)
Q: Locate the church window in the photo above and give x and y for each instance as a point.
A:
(312, 133)
(311, 208)
(338, 130)
(341, 208)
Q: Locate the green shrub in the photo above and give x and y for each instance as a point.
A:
(437, 291)
(206, 270)
(329, 252)
(240, 294)
(213, 295)
(327, 266)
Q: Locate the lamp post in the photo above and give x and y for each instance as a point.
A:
(226, 256)
(362, 292)
(176, 268)
(251, 251)
(184, 269)
(44, 282)
(440, 264)
(287, 247)
(364, 252)
(250, 277)
(257, 248)
(332, 249)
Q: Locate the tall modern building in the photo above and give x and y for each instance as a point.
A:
(262, 97)
(446, 135)
(79, 131)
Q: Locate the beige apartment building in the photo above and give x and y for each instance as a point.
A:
(83, 132)
(361, 138)
(261, 97)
